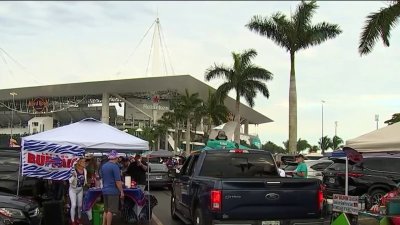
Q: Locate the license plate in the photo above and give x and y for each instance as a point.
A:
(158, 177)
(332, 180)
(270, 223)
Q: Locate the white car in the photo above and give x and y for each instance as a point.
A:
(314, 168)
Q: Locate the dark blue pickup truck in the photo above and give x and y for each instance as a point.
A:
(242, 187)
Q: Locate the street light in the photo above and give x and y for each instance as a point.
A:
(322, 125)
(377, 120)
(13, 94)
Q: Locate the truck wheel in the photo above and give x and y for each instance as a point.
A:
(173, 208)
(199, 218)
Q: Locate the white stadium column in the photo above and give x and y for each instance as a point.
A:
(246, 127)
(105, 108)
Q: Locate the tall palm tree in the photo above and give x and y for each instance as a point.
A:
(189, 104)
(294, 34)
(378, 25)
(176, 118)
(336, 142)
(215, 110)
(244, 77)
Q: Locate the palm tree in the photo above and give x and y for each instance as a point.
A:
(244, 77)
(325, 143)
(336, 142)
(378, 25)
(314, 148)
(395, 119)
(302, 145)
(215, 111)
(294, 34)
(189, 104)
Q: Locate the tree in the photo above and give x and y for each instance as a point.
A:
(244, 77)
(336, 142)
(378, 25)
(273, 148)
(215, 111)
(177, 118)
(302, 145)
(294, 34)
(395, 118)
(325, 143)
(189, 104)
(313, 148)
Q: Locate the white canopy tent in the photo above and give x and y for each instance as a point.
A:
(386, 139)
(91, 134)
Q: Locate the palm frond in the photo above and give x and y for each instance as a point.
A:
(259, 86)
(249, 96)
(217, 71)
(318, 34)
(304, 13)
(257, 73)
(377, 25)
(270, 28)
(224, 89)
(247, 56)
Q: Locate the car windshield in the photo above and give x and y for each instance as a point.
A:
(238, 165)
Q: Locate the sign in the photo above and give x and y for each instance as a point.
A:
(155, 99)
(39, 104)
(346, 204)
(156, 107)
(49, 161)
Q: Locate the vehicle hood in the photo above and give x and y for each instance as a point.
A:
(12, 201)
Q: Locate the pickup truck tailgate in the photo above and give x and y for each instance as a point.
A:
(270, 198)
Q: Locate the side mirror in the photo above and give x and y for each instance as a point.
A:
(172, 173)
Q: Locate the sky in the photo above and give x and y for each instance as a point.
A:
(68, 42)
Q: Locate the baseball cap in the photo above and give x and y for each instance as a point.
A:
(300, 156)
(113, 154)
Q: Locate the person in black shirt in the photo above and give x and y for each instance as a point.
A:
(137, 170)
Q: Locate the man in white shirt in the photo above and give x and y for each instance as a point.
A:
(280, 171)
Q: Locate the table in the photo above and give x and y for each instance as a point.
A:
(135, 194)
(137, 205)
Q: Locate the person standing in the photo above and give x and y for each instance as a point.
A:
(76, 182)
(112, 187)
(280, 171)
(301, 171)
(137, 170)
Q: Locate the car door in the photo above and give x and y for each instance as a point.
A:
(317, 169)
(186, 187)
(177, 187)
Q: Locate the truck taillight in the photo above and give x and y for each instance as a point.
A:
(320, 197)
(239, 151)
(215, 200)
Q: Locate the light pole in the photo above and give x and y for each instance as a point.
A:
(13, 94)
(336, 128)
(377, 120)
(322, 126)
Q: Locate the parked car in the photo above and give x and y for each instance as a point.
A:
(18, 210)
(374, 176)
(314, 168)
(9, 164)
(158, 176)
(242, 187)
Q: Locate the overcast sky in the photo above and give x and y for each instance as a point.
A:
(64, 42)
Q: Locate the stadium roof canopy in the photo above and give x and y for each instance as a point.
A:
(129, 88)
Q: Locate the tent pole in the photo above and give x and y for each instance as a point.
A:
(148, 187)
(19, 170)
(346, 192)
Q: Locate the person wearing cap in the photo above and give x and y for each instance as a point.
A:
(112, 187)
(76, 182)
(301, 170)
(137, 170)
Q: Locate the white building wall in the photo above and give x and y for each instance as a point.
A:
(40, 124)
